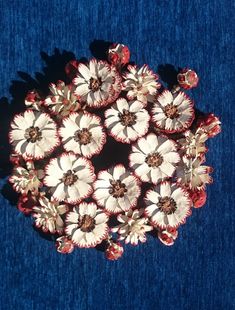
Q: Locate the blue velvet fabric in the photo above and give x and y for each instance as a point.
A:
(198, 271)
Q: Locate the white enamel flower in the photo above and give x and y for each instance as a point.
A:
(48, 215)
(116, 189)
(133, 227)
(141, 83)
(97, 83)
(193, 144)
(25, 180)
(192, 174)
(33, 134)
(154, 158)
(127, 121)
(62, 100)
(70, 178)
(83, 134)
(168, 205)
(173, 112)
(87, 225)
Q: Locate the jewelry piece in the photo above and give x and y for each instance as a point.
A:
(56, 139)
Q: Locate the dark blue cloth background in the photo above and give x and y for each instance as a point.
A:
(198, 271)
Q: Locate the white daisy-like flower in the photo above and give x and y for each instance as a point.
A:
(25, 180)
(70, 178)
(83, 134)
(48, 215)
(141, 83)
(167, 205)
(127, 121)
(192, 174)
(33, 134)
(116, 189)
(87, 225)
(62, 100)
(97, 83)
(133, 227)
(193, 144)
(173, 112)
(154, 158)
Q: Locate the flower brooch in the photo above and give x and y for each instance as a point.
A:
(56, 139)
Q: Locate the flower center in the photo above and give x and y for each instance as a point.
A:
(69, 178)
(83, 136)
(95, 84)
(118, 189)
(171, 111)
(154, 160)
(127, 118)
(65, 101)
(139, 86)
(33, 134)
(167, 205)
(86, 223)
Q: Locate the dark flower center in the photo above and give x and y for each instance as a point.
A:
(154, 160)
(83, 136)
(171, 111)
(33, 134)
(167, 205)
(118, 189)
(139, 86)
(69, 178)
(95, 84)
(86, 223)
(127, 118)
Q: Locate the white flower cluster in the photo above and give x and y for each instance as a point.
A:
(56, 139)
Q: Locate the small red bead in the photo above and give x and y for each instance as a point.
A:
(64, 245)
(198, 198)
(187, 78)
(168, 236)
(31, 96)
(26, 203)
(15, 159)
(118, 54)
(114, 251)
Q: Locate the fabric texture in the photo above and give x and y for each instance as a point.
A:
(37, 38)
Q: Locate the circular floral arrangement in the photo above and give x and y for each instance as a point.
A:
(56, 139)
